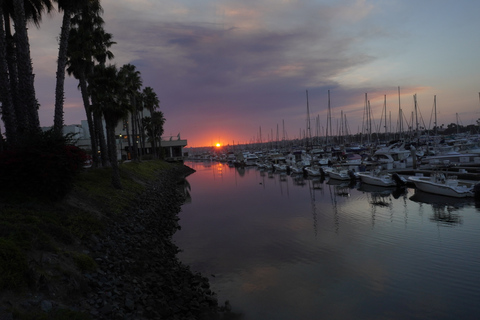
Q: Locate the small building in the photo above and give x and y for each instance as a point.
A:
(173, 148)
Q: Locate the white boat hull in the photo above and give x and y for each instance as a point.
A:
(447, 188)
(382, 180)
(340, 175)
(280, 167)
(313, 171)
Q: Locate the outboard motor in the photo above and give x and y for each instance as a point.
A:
(399, 180)
(352, 175)
(476, 190)
(322, 172)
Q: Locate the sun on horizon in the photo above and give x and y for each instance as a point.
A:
(218, 145)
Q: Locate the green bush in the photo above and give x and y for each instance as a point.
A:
(84, 262)
(13, 266)
(60, 314)
(42, 165)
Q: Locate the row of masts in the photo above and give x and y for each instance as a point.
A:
(369, 133)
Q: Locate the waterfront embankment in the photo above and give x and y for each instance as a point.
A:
(105, 260)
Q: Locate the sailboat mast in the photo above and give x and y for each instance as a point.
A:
(416, 116)
(342, 135)
(329, 121)
(400, 116)
(363, 120)
(277, 136)
(369, 117)
(458, 129)
(435, 108)
(309, 133)
(390, 121)
(385, 111)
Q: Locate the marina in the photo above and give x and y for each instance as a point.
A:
(293, 246)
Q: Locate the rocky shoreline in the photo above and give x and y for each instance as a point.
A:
(138, 274)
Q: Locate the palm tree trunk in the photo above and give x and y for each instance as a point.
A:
(25, 70)
(88, 112)
(61, 64)
(13, 74)
(154, 135)
(2, 147)
(127, 128)
(134, 137)
(142, 134)
(112, 152)
(98, 126)
(101, 140)
(8, 112)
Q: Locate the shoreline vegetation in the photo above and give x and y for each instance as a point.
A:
(103, 253)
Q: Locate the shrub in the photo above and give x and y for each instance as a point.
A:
(13, 266)
(44, 165)
(84, 262)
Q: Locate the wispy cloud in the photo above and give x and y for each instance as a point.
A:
(233, 66)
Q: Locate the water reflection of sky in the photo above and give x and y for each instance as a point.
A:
(280, 249)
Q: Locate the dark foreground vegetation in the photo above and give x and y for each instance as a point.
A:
(100, 252)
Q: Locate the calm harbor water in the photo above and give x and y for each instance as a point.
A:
(284, 247)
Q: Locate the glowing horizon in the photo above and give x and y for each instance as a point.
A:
(223, 73)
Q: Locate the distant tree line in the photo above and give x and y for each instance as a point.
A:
(109, 94)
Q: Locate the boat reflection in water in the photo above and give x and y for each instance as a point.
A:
(342, 187)
(445, 209)
(296, 247)
(380, 196)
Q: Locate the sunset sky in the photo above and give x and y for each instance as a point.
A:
(223, 69)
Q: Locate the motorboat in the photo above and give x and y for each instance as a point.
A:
(250, 159)
(280, 167)
(396, 155)
(441, 184)
(440, 201)
(381, 178)
(296, 168)
(452, 158)
(341, 174)
(313, 171)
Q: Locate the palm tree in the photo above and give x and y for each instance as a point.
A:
(158, 120)
(101, 42)
(132, 84)
(88, 42)
(24, 67)
(106, 86)
(151, 103)
(69, 7)
(140, 126)
(8, 111)
(154, 127)
(17, 57)
(77, 66)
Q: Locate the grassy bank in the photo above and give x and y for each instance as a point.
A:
(41, 242)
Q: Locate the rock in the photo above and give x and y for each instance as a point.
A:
(139, 275)
(129, 304)
(46, 305)
(106, 309)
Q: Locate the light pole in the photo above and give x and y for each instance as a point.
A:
(121, 149)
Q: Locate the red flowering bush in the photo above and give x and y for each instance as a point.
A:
(44, 165)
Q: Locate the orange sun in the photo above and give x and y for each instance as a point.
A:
(218, 145)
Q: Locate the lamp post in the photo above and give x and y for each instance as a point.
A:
(121, 149)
